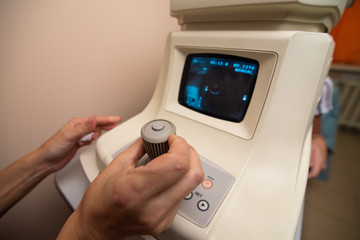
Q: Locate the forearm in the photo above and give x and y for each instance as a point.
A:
(20, 178)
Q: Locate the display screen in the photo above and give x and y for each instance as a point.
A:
(218, 85)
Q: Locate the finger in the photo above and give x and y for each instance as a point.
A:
(76, 128)
(169, 201)
(165, 170)
(81, 127)
(156, 215)
(187, 183)
(172, 186)
(314, 171)
(96, 135)
(177, 156)
(132, 154)
(106, 122)
(166, 217)
(172, 215)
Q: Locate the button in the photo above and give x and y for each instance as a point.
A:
(203, 205)
(207, 184)
(157, 126)
(189, 196)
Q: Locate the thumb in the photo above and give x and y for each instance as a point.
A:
(132, 154)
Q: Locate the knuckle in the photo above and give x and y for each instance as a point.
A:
(180, 163)
(198, 176)
(147, 223)
(177, 139)
(74, 122)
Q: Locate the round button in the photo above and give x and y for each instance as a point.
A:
(157, 131)
(157, 126)
(207, 184)
(189, 196)
(203, 205)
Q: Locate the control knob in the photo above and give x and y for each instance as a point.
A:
(155, 136)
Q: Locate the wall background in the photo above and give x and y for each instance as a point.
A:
(62, 59)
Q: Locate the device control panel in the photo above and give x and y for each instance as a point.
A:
(201, 204)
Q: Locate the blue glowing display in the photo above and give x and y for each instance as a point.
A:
(218, 85)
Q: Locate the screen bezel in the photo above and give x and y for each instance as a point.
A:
(244, 129)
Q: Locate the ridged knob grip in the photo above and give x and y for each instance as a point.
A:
(155, 136)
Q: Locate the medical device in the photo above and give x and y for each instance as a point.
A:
(240, 82)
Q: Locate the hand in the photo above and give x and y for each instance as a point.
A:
(25, 173)
(125, 201)
(59, 149)
(318, 156)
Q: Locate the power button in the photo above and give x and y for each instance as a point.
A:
(207, 184)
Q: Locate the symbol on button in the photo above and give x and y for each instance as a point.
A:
(189, 196)
(203, 205)
(207, 184)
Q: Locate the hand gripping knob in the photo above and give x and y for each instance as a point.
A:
(155, 135)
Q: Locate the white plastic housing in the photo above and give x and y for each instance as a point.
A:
(267, 153)
(309, 15)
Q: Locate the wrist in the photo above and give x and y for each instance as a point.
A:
(41, 165)
(50, 157)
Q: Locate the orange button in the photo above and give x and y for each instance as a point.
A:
(207, 184)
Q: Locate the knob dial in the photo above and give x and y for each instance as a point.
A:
(155, 136)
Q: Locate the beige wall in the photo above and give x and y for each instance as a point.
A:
(60, 59)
